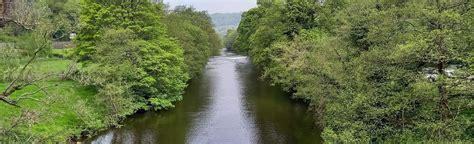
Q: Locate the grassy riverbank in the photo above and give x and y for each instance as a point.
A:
(138, 58)
(63, 110)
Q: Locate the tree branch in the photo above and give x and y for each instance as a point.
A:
(13, 85)
(7, 101)
(24, 26)
(21, 72)
(27, 95)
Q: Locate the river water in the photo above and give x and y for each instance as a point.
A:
(226, 104)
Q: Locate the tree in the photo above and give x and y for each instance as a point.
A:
(29, 22)
(195, 34)
(22, 80)
(373, 71)
(142, 17)
(229, 39)
(27, 14)
(124, 46)
(65, 12)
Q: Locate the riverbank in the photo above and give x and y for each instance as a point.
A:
(95, 86)
(368, 75)
(65, 111)
(57, 110)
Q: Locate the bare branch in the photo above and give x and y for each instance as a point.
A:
(28, 95)
(24, 26)
(7, 101)
(13, 85)
(21, 72)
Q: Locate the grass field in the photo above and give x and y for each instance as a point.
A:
(61, 53)
(65, 109)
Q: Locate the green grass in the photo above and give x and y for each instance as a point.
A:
(50, 66)
(61, 53)
(45, 66)
(65, 110)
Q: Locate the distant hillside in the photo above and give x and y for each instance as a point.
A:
(224, 21)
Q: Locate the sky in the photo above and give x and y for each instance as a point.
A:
(216, 6)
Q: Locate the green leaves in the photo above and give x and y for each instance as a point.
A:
(140, 17)
(160, 104)
(373, 71)
(194, 32)
(124, 45)
(146, 69)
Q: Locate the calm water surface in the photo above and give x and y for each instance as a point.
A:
(226, 104)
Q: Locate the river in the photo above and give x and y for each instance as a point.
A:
(226, 104)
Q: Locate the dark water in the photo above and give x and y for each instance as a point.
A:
(227, 104)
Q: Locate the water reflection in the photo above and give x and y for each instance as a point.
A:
(225, 121)
(226, 104)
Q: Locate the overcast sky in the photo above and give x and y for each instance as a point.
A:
(216, 6)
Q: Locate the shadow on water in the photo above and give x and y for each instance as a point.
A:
(227, 103)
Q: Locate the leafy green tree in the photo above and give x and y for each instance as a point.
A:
(195, 34)
(229, 38)
(142, 17)
(124, 45)
(373, 71)
(247, 27)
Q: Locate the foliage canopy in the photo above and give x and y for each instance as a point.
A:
(373, 71)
